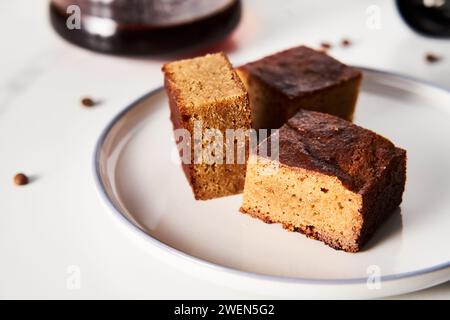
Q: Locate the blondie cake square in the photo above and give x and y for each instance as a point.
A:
(299, 78)
(207, 91)
(336, 182)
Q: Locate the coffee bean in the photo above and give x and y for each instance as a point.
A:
(432, 58)
(325, 45)
(346, 42)
(87, 102)
(20, 179)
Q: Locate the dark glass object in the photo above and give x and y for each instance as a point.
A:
(141, 27)
(427, 17)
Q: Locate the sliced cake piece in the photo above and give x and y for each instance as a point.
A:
(207, 91)
(336, 182)
(300, 78)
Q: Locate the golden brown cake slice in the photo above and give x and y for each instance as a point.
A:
(281, 84)
(206, 91)
(336, 182)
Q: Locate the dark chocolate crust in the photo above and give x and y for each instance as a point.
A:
(300, 71)
(333, 146)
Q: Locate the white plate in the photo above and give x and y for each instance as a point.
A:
(146, 190)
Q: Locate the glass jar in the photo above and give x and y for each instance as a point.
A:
(144, 26)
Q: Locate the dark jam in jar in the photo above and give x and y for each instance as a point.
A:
(154, 27)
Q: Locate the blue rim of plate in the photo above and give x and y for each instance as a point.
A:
(236, 272)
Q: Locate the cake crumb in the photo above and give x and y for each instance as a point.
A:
(20, 179)
(325, 45)
(432, 58)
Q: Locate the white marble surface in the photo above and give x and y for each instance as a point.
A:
(58, 221)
